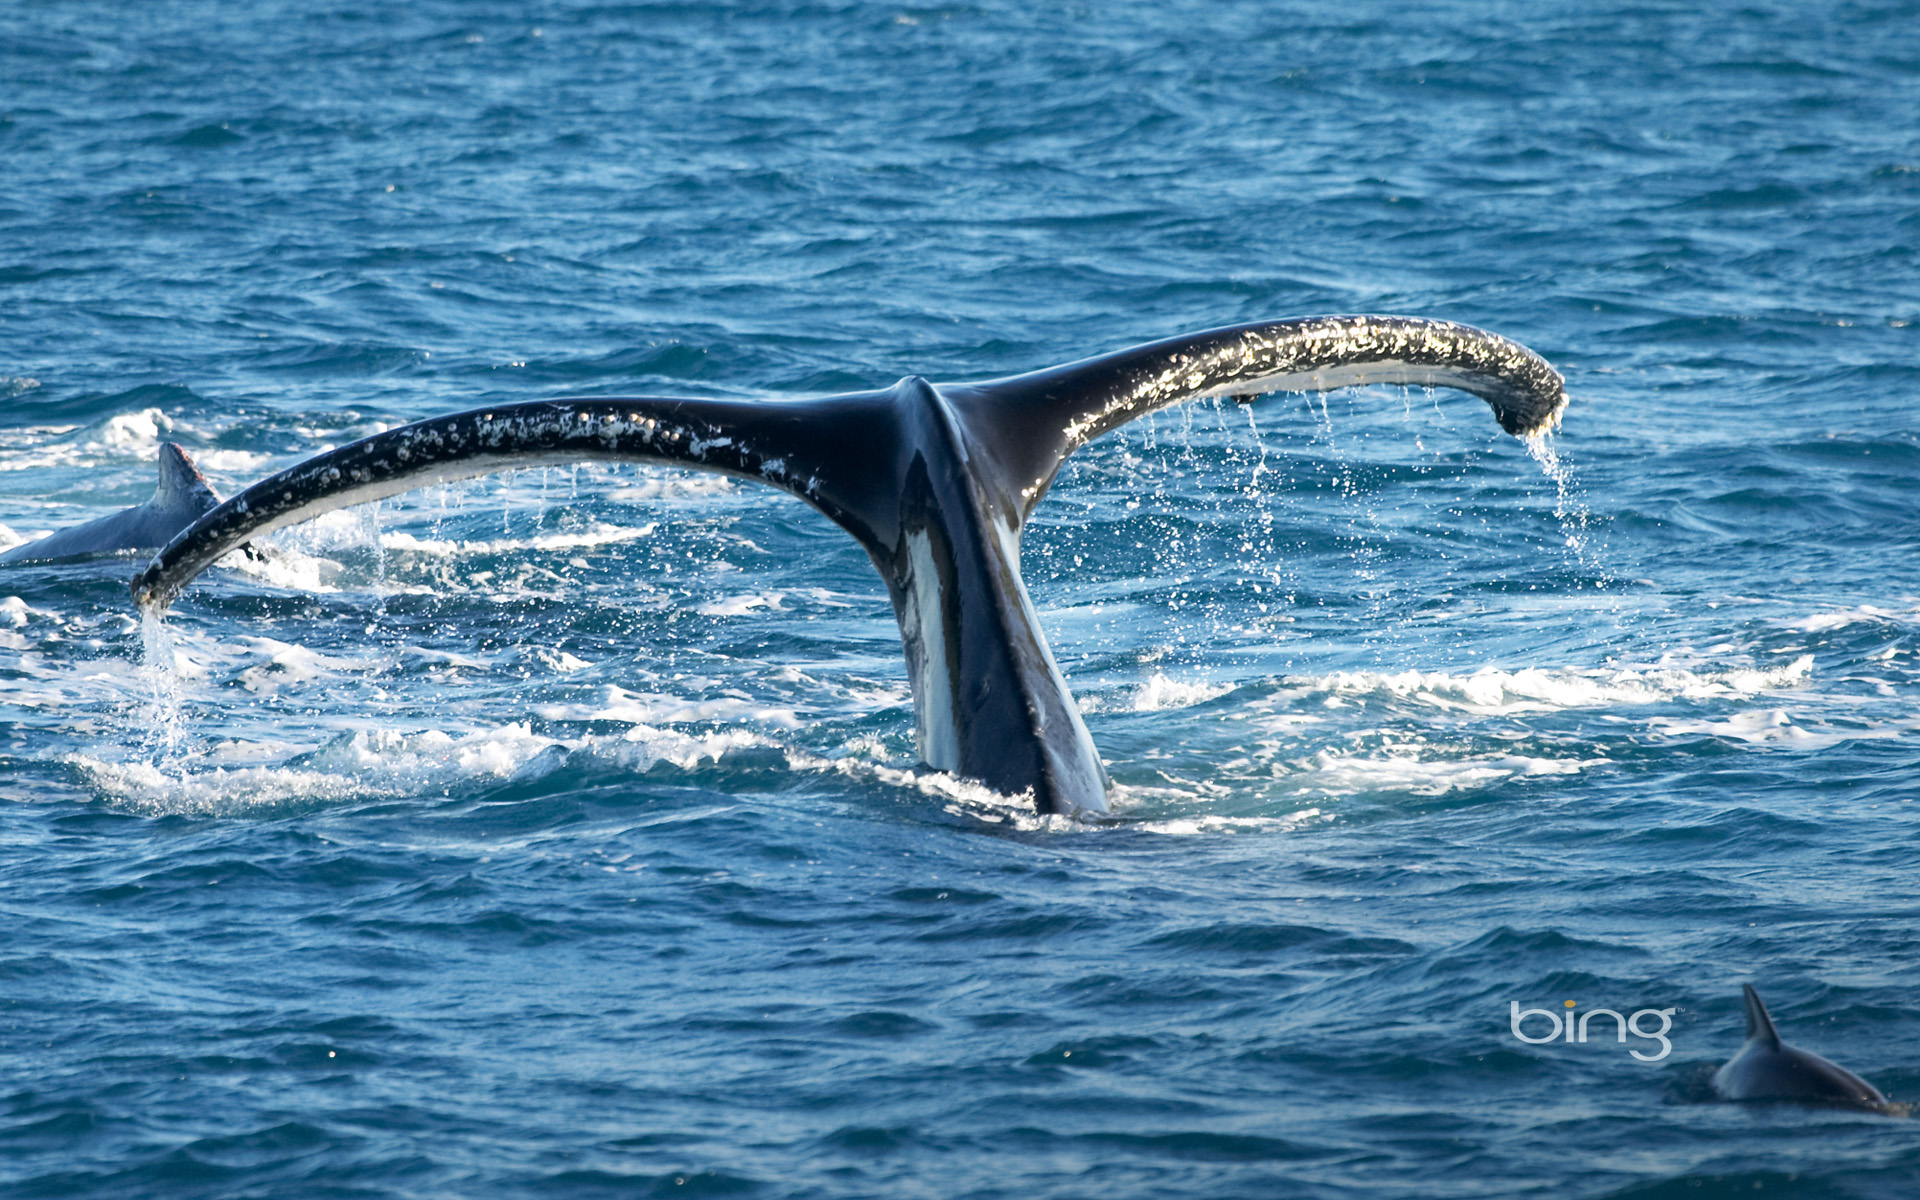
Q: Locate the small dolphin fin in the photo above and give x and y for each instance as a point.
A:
(1759, 1023)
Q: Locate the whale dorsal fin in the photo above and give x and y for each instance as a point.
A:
(181, 484)
(1030, 423)
(1759, 1023)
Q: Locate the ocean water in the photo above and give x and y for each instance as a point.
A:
(560, 834)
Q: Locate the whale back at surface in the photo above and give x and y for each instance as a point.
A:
(1767, 1068)
(180, 497)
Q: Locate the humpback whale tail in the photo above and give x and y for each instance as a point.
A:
(179, 498)
(935, 481)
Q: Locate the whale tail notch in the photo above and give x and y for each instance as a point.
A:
(934, 480)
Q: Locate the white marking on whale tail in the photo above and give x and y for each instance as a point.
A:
(929, 659)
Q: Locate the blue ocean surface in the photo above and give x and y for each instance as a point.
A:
(561, 833)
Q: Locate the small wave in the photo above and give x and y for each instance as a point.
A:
(1334, 773)
(284, 663)
(1490, 692)
(372, 764)
(1775, 727)
(595, 535)
(670, 486)
(1192, 826)
(741, 605)
(15, 615)
(131, 438)
(1865, 614)
(1158, 694)
(125, 435)
(646, 709)
(293, 571)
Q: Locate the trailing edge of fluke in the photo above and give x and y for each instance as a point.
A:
(935, 480)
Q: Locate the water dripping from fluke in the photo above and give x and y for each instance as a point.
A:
(159, 714)
(1569, 506)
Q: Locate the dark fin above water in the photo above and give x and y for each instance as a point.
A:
(1759, 1022)
(935, 481)
(181, 483)
(181, 496)
(1769, 1069)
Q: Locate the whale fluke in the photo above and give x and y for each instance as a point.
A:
(181, 497)
(1767, 1068)
(935, 481)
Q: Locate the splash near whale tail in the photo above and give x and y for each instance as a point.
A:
(935, 480)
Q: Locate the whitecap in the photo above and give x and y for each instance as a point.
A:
(741, 605)
(1335, 773)
(1158, 694)
(1491, 692)
(1827, 622)
(1777, 728)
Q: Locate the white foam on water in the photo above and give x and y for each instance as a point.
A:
(1865, 614)
(284, 663)
(1777, 728)
(1194, 826)
(15, 613)
(430, 658)
(598, 534)
(159, 791)
(647, 709)
(287, 569)
(130, 437)
(362, 765)
(553, 660)
(741, 605)
(658, 484)
(243, 466)
(643, 747)
(380, 763)
(1491, 692)
(1158, 694)
(1334, 772)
